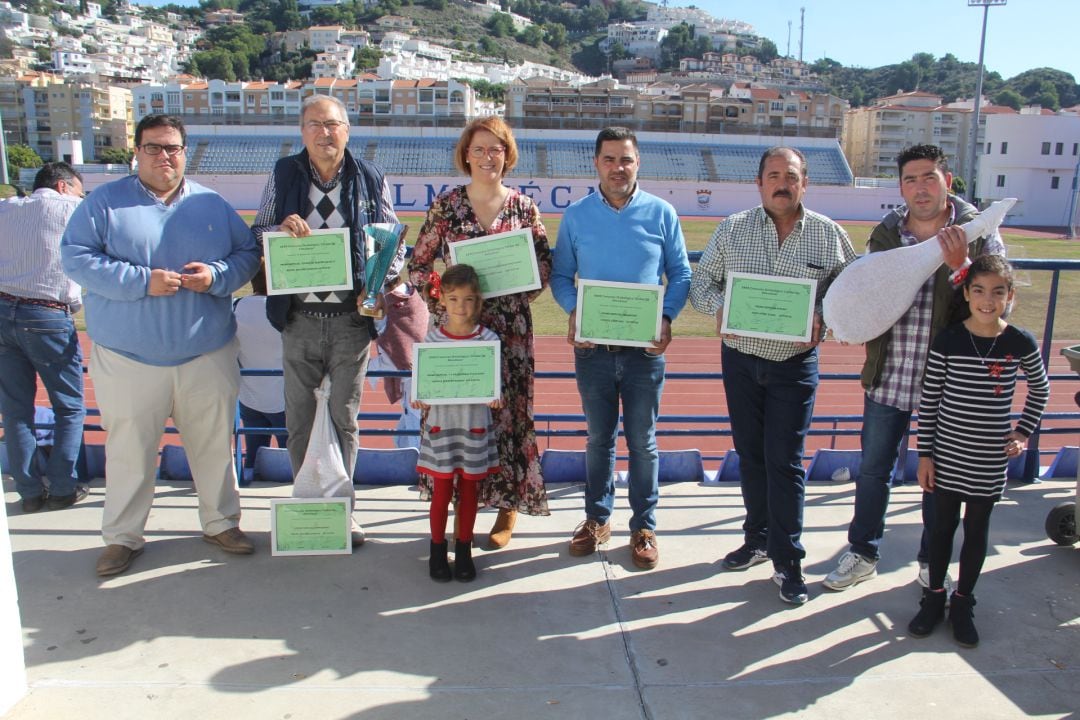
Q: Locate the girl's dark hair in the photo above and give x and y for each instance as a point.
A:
(461, 276)
(989, 265)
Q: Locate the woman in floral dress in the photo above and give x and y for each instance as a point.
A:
(486, 151)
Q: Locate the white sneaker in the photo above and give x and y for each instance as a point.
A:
(852, 570)
(924, 578)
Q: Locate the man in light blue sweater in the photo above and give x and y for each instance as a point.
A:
(159, 257)
(621, 234)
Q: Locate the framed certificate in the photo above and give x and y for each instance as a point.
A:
(505, 262)
(457, 373)
(616, 313)
(320, 261)
(769, 306)
(310, 526)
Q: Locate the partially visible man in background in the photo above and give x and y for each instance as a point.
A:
(38, 338)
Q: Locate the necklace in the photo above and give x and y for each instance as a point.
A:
(993, 367)
(982, 358)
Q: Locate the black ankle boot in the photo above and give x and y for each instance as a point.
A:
(464, 570)
(963, 620)
(931, 612)
(438, 567)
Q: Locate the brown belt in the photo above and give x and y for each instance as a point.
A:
(53, 304)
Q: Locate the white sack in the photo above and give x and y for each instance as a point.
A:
(323, 473)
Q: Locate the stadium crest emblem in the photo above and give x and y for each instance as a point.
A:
(703, 198)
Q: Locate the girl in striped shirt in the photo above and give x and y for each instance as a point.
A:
(458, 446)
(966, 438)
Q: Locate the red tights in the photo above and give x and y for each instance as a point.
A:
(441, 497)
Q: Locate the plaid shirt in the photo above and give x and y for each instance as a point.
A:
(909, 346)
(817, 249)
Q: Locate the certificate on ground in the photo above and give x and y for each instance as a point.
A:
(457, 373)
(321, 261)
(310, 526)
(505, 262)
(616, 313)
(768, 306)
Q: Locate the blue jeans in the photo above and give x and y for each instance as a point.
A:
(252, 418)
(770, 404)
(41, 340)
(884, 428)
(637, 378)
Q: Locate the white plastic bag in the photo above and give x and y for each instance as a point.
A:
(323, 472)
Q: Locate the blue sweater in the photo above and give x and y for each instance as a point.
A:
(121, 232)
(641, 243)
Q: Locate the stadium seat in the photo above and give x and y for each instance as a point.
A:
(395, 466)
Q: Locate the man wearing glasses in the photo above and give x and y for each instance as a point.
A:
(37, 337)
(160, 257)
(325, 186)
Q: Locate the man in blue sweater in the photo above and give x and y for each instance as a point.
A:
(159, 257)
(622, 234)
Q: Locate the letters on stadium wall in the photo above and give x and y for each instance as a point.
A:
(553, 196)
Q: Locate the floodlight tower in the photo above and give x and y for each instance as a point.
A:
(985, 5)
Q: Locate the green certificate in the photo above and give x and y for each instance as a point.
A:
(616, 313)
(456, 373)
(317, 262)
(769, 306)
(310, 526)
(505, 262)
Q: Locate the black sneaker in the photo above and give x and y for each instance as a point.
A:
(788, 576)
(744, 558)
(59, 502)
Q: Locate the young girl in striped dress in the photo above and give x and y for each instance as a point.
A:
(966, 438)
(457, 442)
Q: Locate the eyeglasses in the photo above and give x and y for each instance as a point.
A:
(155, 149)
(478, 152)
(328, 125)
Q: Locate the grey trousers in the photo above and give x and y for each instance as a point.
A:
(313, 347)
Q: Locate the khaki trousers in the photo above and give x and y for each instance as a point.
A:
(135, 400)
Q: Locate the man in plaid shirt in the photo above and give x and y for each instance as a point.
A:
(895, 361)
(770, 384)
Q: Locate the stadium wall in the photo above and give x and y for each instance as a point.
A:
(554, 195)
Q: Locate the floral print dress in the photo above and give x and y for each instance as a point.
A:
(519, 485)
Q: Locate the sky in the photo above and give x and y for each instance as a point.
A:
(1021, 35)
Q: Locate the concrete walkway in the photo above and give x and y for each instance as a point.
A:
(192, 633)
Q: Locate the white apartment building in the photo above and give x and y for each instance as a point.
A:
(1035, 158)
(336, 62)
(640, 39)
(873, 136)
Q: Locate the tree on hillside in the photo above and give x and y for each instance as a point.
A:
(766, 52)
(21, 156)
(959, 186)
(555, 35)
(532, 36)
(500, 25)
(1030, 84)
(1009, 98)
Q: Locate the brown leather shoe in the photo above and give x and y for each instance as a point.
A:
(643, 549)
(232, 540)
(503, 529)
(116, 559)
(588, 536)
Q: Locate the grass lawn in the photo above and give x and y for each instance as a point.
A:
(1030, 312)
(1032, 295)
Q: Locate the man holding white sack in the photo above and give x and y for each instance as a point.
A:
(322, 334)
(770, 384)
(895, 361)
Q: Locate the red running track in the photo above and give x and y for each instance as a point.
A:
(692, 397)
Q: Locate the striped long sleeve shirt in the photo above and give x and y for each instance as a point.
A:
(964, 413)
